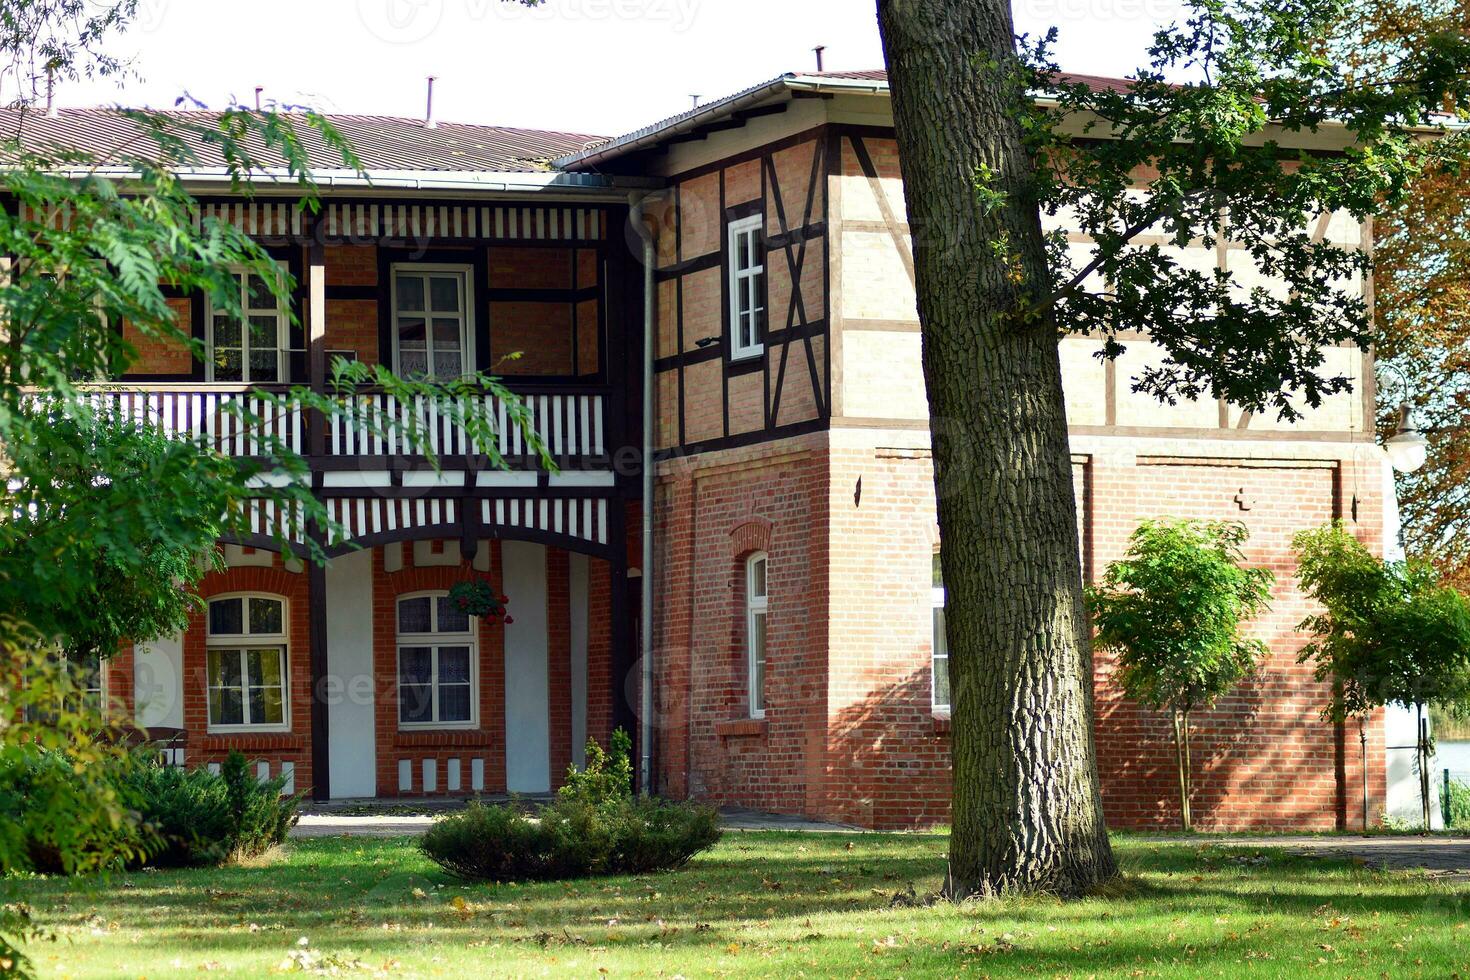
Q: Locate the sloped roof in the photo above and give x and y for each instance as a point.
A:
(381, 142)
(873, 80)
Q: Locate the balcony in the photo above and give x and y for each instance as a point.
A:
(570, 420)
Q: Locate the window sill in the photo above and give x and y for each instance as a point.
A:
(749, 354)
(252, 742)
(237, 731)
(941, 721)
(736, 727)
(442, 738)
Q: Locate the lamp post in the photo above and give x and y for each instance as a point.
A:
(1407, 449)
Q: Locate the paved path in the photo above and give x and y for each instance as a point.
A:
(357, 820)
(1441, 856)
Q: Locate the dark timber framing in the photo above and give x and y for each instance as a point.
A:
(616, 378)
(797, 240)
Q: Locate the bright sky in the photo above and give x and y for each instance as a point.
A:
(602, 67)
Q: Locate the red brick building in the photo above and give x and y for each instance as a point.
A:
(793, 497)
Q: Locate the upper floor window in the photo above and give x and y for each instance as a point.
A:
(747, 285)
(253, 347)
(939, 661)
(246, 657)
(436, 664)
(431, 320)
(756, 600)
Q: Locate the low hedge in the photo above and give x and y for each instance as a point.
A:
(182, 817)
(596, 826)
(199, 818)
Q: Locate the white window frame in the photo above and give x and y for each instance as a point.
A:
(938, 641)
(465, 274)
(95, 696)
(240, 643)
(283, 340)
(756, 606)
(434, 640)
(752, 278)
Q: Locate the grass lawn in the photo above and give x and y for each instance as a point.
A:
(782, 904)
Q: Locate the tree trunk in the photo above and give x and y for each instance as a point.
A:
(1181, 755)
(1027, 812)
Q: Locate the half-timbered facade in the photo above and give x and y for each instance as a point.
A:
(795, 650)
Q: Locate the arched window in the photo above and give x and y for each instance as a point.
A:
(756, 600)
(437, 664)
(247, 665)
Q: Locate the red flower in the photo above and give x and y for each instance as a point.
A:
(508, 620)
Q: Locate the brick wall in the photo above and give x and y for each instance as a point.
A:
(850, 733)
(714, 512)
(1263, 758)
(162, 355)
(486, 742)
(293, 746)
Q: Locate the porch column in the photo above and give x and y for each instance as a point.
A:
(316, 573)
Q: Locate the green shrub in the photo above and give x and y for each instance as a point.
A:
(40, 796)
(200, 818)
(595, 827)
(606, 776)
(1457, 805)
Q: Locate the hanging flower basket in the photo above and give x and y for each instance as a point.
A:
(475, 597)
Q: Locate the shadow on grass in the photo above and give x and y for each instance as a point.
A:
(1182, 907)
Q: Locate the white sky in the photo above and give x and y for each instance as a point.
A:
(601, 67)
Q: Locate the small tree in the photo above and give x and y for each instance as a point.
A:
(1390, 633)
(1172, 608)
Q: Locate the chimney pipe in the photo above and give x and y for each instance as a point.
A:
(818, 50)
(258, 90)
(51, 111)
(429, 122)
(695, 100)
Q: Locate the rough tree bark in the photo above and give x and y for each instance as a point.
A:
(1026, 807)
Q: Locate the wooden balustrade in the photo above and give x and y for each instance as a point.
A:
(244, 421)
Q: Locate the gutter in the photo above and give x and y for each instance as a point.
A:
(645, 687)
(489, 181)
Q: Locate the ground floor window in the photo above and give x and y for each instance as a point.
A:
(246, 663)
(939, 661)
(436, 664)
(756, 603)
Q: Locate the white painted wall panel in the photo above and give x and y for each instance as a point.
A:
(352, 748)
(158, 683)
(527, 685)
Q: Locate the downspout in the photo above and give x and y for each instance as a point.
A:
(645, 719)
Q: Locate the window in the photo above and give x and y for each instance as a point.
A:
(436, 664)
(747, 285)
(247, 663)
(431, 320)
(755, 633)
(252, 349)
(939, 662)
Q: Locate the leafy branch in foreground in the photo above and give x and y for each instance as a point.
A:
(1150, 168)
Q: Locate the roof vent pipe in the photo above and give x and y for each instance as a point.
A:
(818, 52)
(258, 90)
(429, 122)
(51, 111)
(695, 100)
